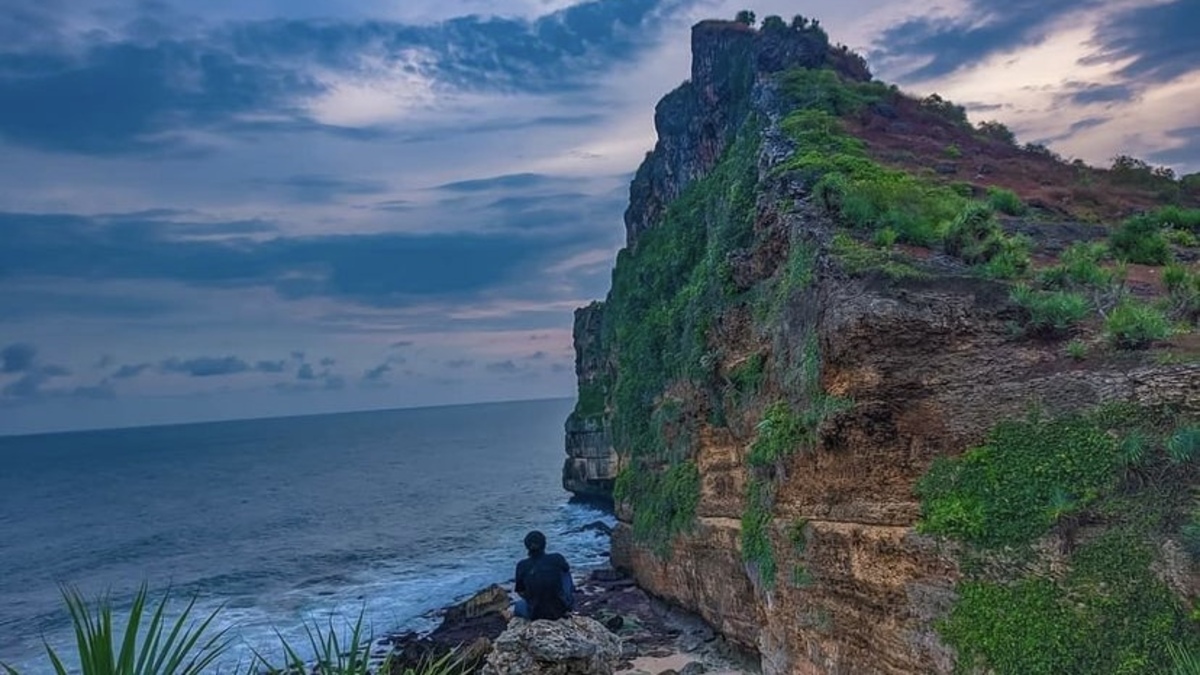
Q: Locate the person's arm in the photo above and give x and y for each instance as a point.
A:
(520, 585)
(563, 562)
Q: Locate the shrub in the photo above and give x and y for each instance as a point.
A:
(748, 375)
(952, 151)
(1184, 444)
(1134, 325)
(1140, 240)
(1012, 260)
(780, 433)
(1077, 350)
(1050, 313)
(1079, 266)
(1006, 201)
(996, 131)
(974, 235)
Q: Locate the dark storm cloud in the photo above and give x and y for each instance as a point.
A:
(205, 366)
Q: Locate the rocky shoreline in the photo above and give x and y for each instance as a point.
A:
(655, 638)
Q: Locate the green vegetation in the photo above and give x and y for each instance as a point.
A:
(996, 131)
(664, 501)
(756, 535)
(859, 258)
(1134, 325)
(1006, 201)
(590, 403)
(1050, 314)
(781, 432)
(1183, 288)
(1011, 489)
(747, 376)
(1077, 350)
(160, 648)
(1140, 240)
(188, 647)
(1079, 268)
(864, 195)
(666, 295)
(1109, 612)
(952, 151)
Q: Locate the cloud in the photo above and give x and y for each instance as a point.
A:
(153, 86)
(377, 373)
(130, 370)
(1085, 93)
(459, 363)
(401, 344)
(514, 181)
(986, 27)
(306, 372)
(17, 357)
(270, 366)
(205, 366)
(1154, 43)
(505, 367)
(316, 188)
(328, 361)
(1186, 151)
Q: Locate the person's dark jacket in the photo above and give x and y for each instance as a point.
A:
(550, 605)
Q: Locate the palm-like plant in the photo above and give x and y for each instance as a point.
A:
(164, 648)
(1185, 661)
(349, 655)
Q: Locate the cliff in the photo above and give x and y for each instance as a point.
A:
(865, 416)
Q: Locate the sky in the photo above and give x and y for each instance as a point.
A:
(213, 209)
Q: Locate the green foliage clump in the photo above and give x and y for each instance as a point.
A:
(858, 258)
(1077, 350)
(952, 151)
(1140, 240)
(1050, 314)
(1184, 445)
(1134, 325)
(664, 502)
(591, 399)
(940, 107)
(1183, 288)
(1110, 615)
(746, 17)
(1006, 201)
(747, 376)
(756, 535)
(780, 433)
(1079, 267)
(974, 235)
(1015, 486)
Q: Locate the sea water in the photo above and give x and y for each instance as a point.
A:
(282, 521)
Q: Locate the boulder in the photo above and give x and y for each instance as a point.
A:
(575, 645)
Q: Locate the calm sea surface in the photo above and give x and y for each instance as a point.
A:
(282, 520)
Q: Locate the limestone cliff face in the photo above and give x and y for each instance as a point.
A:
(906, 368)
(592, 463)
(696, 121)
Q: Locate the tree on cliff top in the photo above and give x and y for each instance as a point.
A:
(745, 16)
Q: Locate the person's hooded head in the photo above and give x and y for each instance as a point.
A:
(535, 543)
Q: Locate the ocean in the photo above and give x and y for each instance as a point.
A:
(282, 521)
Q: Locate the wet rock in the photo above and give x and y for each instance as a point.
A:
(576, 645)
(469, 626)
(598, 526)
(615, 624)
(694, 668)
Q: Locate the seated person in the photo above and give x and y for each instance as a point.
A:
(543, 582)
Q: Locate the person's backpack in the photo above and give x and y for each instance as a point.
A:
(544, 584)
